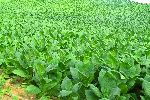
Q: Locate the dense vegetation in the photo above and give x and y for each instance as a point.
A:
(77, 49)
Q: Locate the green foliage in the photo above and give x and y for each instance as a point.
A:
(76, 50)
(20, 73)
(2, 81)
(146, 85)
(33, 89)
(66, 84)
(95, 90)
(65, 93)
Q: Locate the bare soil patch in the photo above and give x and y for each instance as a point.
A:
(15, 91)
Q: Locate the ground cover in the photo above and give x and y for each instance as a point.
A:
(76, 50)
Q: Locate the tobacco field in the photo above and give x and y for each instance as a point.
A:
(76, 49)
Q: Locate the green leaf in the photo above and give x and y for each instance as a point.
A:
(33, 89)
(75, 98)
(131, 82)
(66, 84)
(47, 86)
(74, 73)
(76, 87)
(122, 98)
(115, 92)
(146, 85)
(122, 76)
(95, 90)
(123, 88)
(104, 99)
(142, 98)
(1, 61)
(131, 71)
(2, 81)
(44, 98)
(107, 82)
(20, 73)
(90, 95)
(64, 93)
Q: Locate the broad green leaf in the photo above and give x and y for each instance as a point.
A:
(76, 87)
(142, 98)
(131, 71)
(115, 92)
(40, 68)
(75, 98)
(122, 98)
(90, 95)
(122, 76)
(131, 82)
(66, 84)
(123, 87)
(107, 82)
(146, 85)
(95, 90)
(147, 78)
(47, 86)
(1, 61)
(2, 81)
(20, 73)
(44, 98)
(74, 73)
(33, 89)
(65, 93)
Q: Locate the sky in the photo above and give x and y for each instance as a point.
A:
(141, 1)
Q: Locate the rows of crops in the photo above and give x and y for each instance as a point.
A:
(77, 49)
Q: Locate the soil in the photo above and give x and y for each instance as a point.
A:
(16, 91)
